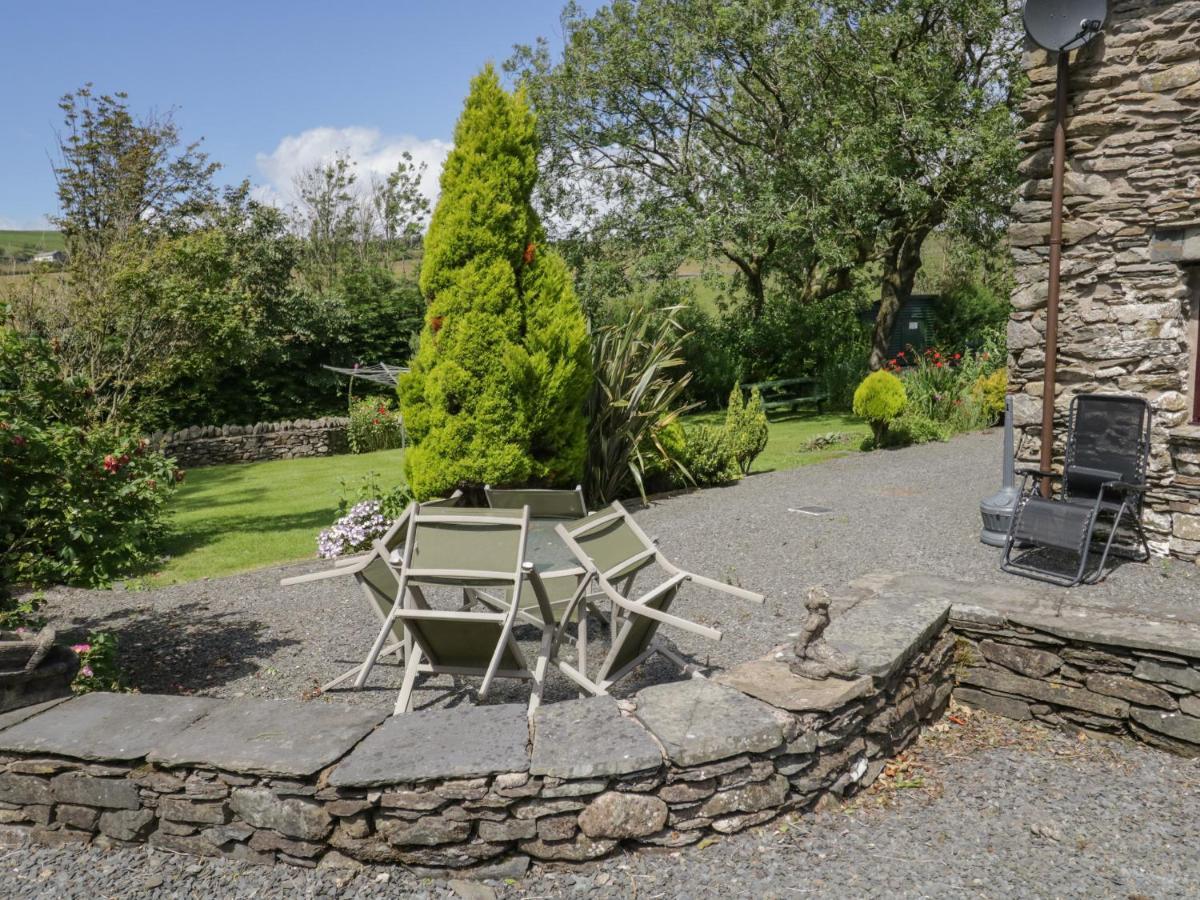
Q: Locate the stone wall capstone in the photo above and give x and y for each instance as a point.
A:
(213, 445)
(1131, 244)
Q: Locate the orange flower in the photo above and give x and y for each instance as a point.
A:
(435, 324)
(530, 249)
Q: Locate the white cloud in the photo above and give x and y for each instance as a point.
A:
(374, 153)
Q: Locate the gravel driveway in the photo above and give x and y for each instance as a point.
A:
(911, 509)
(986, 808)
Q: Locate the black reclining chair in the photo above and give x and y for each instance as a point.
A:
(1103, 482)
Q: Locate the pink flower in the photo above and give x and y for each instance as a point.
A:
(82, 648)
(86, 671)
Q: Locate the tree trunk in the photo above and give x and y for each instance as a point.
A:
(752, 271)
(901, 263)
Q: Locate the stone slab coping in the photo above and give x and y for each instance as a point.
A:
(699, 721)
(439, 743)
(589, 738)
(268, 737)
(106, 726)
(770, 680)
(15, 716)
(885, 630)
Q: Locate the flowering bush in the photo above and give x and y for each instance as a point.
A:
(375, 425)
(354, 531)
(99, 669)
(80, 502)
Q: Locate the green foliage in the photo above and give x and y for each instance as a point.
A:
(946, 387)
(746, 427)
(497, 387)
(80, 502)
(375, 424)
(880, 399)
(709, 455)
(99, 664)
(635, 403)
(913, 427)
(989, 392)
(24, 612)
(968, 315)
(392, 501)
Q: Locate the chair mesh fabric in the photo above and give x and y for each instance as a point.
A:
(1108, 441)
(1051, 523)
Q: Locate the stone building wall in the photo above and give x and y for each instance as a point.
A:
(212, 445)
(1131, 245)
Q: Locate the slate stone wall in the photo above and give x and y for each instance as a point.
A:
(1025, 673)
(455, 788)
(1131, 244)
(213, 445)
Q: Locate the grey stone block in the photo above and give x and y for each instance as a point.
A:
(1181, 676)
(588, 738)
(1172, 724)
(103, 726)
(1026, 661)
(84, 790)
(773, 682)
(439, 743)
(1046, 692)
(884, 631)
(620, 815)
(269, 737)
(698, 721)
(1009, 707)
(291, 816)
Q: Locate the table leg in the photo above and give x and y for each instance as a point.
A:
(581, 636)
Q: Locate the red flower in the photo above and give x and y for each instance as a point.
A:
(901, 354)
(382, 410)
(937, 365)
(374, 421)
(527, 257)
(18, 440)
(435, 324)
(111, 464)
(958, 356)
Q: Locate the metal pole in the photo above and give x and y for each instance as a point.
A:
(1056, 215)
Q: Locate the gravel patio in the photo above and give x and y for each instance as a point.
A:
(915, 509)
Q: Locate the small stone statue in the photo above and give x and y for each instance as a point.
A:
(815, 658)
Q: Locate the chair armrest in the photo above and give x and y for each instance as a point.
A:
(1126, 486)
(1036, 472)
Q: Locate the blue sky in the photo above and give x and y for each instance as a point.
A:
(271, 86)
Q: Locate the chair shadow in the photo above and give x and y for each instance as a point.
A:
(185, 649)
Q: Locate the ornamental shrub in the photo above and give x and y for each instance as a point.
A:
(879, 399)
(989, 392)
(497, 388)
(914, 427)
(375, 424)
(709, 457)
(747, 427)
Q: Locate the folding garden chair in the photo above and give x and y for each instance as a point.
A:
(542, 503)
(1103, 483)
(636, 638)
(618, 550)
(376, 579)
(468, 549)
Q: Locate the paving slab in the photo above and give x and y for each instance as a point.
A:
(588, 738)
(104, 726)
(269, 737)
(15, 716)
(463, 742)
(698, 721)
(884, 630)
(772, 681)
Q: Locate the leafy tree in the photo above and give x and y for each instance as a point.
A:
(497, 387)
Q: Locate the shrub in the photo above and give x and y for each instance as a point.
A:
(392, 501)
(354, 531)
(747, 427)
(989, 392)
(709, 456)
(635, 403)
(498, 385)
(914, 427)
(80, 503)
(375, 424)
(880, 399)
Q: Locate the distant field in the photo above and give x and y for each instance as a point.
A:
(19, 243)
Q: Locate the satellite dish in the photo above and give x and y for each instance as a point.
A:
(1058, 25)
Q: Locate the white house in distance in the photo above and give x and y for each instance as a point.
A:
(52, 257)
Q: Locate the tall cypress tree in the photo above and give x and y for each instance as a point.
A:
(497, 387)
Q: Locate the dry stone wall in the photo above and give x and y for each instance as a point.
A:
(213, 445)
(330, 784)
(1131, 244)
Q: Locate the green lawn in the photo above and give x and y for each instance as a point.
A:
(229, 519)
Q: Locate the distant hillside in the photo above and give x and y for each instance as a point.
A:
(23, 244)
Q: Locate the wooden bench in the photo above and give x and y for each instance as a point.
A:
(788, 393)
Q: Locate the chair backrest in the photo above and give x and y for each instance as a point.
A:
(613, 544)
(1108, 440)
(379, 585)
(467, 546)
(542, 503)
(463, 640)
(635, 635)
(393, 539)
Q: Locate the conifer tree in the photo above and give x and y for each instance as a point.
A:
(497, 387)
